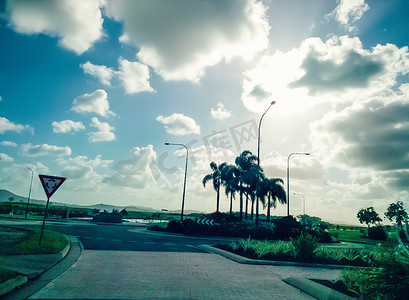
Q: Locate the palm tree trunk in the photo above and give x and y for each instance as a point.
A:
(247, 204)
(252, 208)
(268, 209)
(257, 200)
(231, 204)
(241, 202)
(218, 198)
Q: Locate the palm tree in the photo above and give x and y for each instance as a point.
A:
(275, 192)
(251, 178)
(230, 180)
(243, 163)
(216, 178)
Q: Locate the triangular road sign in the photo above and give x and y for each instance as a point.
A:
(51, 183)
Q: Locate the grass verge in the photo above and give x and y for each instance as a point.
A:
(6, 274)
(52, 242)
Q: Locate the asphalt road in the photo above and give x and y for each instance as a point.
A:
(130, 238)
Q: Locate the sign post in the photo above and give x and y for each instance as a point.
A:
(50, 185)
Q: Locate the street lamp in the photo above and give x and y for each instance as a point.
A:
(29, 191)
(303, 199)
(288, 178)
(258, 152)
(184, 183)
(259, 128)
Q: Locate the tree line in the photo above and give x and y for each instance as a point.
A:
(247, 179)
(395, 212)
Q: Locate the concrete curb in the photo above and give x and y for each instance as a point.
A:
(245, 260)
(316, 290)
(19, 280)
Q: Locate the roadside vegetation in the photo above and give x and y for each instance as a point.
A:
(6, 274)
(52, 242)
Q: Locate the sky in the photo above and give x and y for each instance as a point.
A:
(91, 90)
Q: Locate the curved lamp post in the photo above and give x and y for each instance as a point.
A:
(259, 128)
(29, 191)
(258, 152)
(184, 183)
(288, 178)
(303, 201)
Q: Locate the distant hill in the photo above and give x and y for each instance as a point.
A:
(109, 207)
(5, 195)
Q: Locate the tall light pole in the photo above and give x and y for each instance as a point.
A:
(184, 183)
(259, 129)
(258, 153)
(303, 201)
(29, 191)
(288, 178)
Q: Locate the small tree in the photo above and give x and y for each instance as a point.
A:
(396, 212)
(368, 216)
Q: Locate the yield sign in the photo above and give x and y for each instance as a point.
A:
(51, 183)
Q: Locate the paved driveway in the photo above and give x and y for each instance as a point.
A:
(172, 275)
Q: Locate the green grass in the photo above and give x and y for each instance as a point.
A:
(348, 235)
(6, 274)
(387, 279)
(52, 242)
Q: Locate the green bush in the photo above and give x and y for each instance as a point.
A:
(377, 233)
(388, 279)
(305, 246)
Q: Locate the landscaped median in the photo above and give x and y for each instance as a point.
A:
(19, 244)
(382, 273)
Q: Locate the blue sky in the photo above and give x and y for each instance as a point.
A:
(91, 90)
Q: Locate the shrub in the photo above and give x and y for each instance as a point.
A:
(304, 246)
(388, 279)
(377, 233)
(286, 228)
(105, 217)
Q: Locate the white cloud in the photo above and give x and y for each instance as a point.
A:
(337, 70)
(77, 24)
(134, 172)
(179, 39)
(179, 124)
(67, 126)
(8, 143)
(6, 125)
(200, 157)
(104, 133)
(44, 150)
(5, 158)
(84, 173)
(301, 166)
(134, 76)
(97, 103)
(220, 113)
(16, 178)
(103, 73)
(349, 11)
(370, 135)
